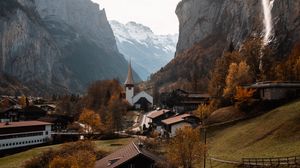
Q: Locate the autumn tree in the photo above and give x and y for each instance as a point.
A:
(80, 154)
(91, 120)
(185, 149)
(115, 111)
(78, 159)
(238, 74)
(22, 101)
(289, 69)
(203, 111)
(243, 94)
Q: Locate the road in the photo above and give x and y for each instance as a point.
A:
(145, 120)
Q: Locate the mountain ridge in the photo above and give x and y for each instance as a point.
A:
(147, 51)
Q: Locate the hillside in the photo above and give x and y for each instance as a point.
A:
(274, 134)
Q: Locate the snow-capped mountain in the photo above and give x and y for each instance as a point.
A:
(147, 51)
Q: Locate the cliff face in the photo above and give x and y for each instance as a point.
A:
(57, 45)
(210, 27)
(235, 20)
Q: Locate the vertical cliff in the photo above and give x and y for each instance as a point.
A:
(57, 45)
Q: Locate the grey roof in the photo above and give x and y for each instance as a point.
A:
(129, 80)
(274, 84)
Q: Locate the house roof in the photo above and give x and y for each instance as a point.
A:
(175, 119)
(273, 84)
(23, 124)
(129, 80)
(123, 155)
(157, 113)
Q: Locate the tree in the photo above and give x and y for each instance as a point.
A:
(22, 101)
(243, 95)
(203, 111)
(186, 149)
(91, 121)
(116, 109)
(238, 74)
(78, 159)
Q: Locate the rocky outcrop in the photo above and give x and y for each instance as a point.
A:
(57, 45)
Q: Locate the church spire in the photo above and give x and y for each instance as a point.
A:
(129, 80)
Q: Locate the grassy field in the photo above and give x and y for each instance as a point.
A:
(274, 134)
(17, 160)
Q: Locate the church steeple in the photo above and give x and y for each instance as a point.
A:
(129, 85)
(129, 80)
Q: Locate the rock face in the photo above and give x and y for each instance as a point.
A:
(210, 27)
(57, 45)
(148, 51)
(234, 20)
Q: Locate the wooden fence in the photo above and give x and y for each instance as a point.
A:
(290, 162)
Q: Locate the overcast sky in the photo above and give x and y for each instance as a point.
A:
(159, 15)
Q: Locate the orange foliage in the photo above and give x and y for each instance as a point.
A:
(186, 149)
(243, 95)
(91, 121)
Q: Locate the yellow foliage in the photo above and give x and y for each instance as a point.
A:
(22, 101)
(79, 159)
(186, 149)
(91, 120)
(203, 111)
(238, 74)
(243, 95)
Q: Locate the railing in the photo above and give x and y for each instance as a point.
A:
(272, 162)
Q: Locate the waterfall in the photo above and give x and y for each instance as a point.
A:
(268, 32)
(267, 7)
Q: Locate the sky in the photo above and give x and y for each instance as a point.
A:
(159, 15)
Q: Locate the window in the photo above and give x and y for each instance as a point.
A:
(46, 132)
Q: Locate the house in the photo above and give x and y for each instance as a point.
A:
(142, 100)
(157, 116)
(130, 156)
(183, 101)
(24, 133)
(170, 125)
(275, 90)
(17, 113)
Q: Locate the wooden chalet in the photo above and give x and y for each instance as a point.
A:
(157, 116)
(170, 125)
(271, 90)
(188, 101)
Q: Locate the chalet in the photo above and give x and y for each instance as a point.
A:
(183, 101)
(157, 116)
(17, 113)
(142, 100)
(172, 124)
(24, 133)
(276, 90)
(132, 155)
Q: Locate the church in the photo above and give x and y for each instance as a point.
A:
(140, 100)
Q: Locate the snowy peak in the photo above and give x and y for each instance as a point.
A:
(134, 32)
(148, 51)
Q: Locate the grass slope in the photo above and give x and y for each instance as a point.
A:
(17, 160)
(274, 134)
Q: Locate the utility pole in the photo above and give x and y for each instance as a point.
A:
(204, 131)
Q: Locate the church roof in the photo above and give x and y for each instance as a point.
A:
(129, 80)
